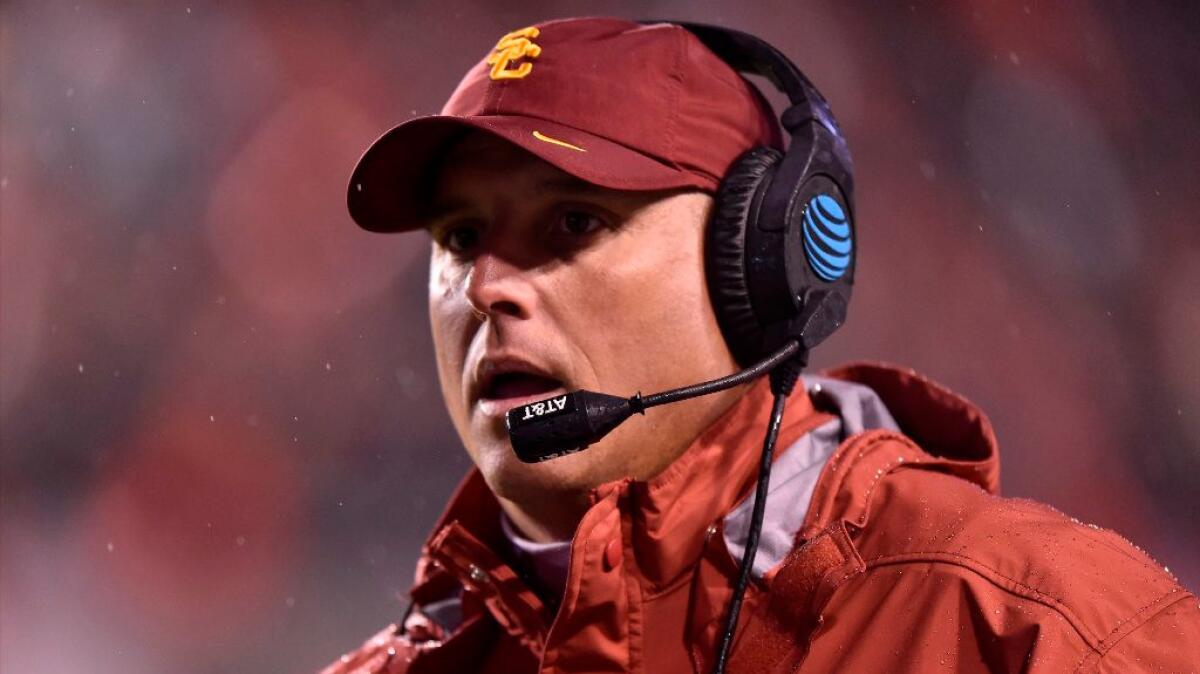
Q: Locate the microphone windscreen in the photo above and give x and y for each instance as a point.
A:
(566, 423)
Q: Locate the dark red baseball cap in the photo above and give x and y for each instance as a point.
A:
(616, 103)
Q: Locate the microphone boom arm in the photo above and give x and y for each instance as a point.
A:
(546, 429)
(753, 372)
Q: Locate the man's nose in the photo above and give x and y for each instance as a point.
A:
(497, 287)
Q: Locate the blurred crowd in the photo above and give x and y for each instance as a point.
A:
(222, 439)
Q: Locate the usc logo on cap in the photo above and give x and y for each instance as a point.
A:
(517, 44)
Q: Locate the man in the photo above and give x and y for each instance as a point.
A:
(567, 189)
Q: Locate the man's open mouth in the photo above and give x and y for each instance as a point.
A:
(507, 385)
(502, 382)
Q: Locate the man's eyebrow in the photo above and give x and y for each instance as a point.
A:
(438, 211)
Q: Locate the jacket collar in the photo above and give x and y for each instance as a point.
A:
(959, 441)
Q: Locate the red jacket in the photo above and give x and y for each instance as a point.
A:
(907, 561)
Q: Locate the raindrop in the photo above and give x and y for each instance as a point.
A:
(928, 170)
(110, 546)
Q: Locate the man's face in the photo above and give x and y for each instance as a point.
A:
(539, 284)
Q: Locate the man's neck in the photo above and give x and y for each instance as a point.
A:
(550, 523)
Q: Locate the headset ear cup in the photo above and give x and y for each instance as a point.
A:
(725, 256)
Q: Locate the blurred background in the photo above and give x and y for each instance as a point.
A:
(223, 440)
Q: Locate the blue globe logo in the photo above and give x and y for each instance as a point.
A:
(827, 242)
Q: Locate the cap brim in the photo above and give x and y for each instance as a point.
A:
(395, 174)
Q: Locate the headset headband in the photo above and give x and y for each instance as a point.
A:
(752, 55)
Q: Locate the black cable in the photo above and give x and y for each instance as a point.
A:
(783, 380)
(408, 611)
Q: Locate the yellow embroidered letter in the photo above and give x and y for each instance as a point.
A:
(511, 47)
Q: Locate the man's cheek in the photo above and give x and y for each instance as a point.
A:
(449, 350)
(446, 277)
(453, 324)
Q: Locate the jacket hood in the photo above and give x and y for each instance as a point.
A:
(943, 423)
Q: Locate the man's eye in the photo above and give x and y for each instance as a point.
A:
(460, 239)
(579, 222)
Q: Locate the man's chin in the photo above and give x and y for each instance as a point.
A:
(513, 479)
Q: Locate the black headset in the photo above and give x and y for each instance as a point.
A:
(780, 251)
